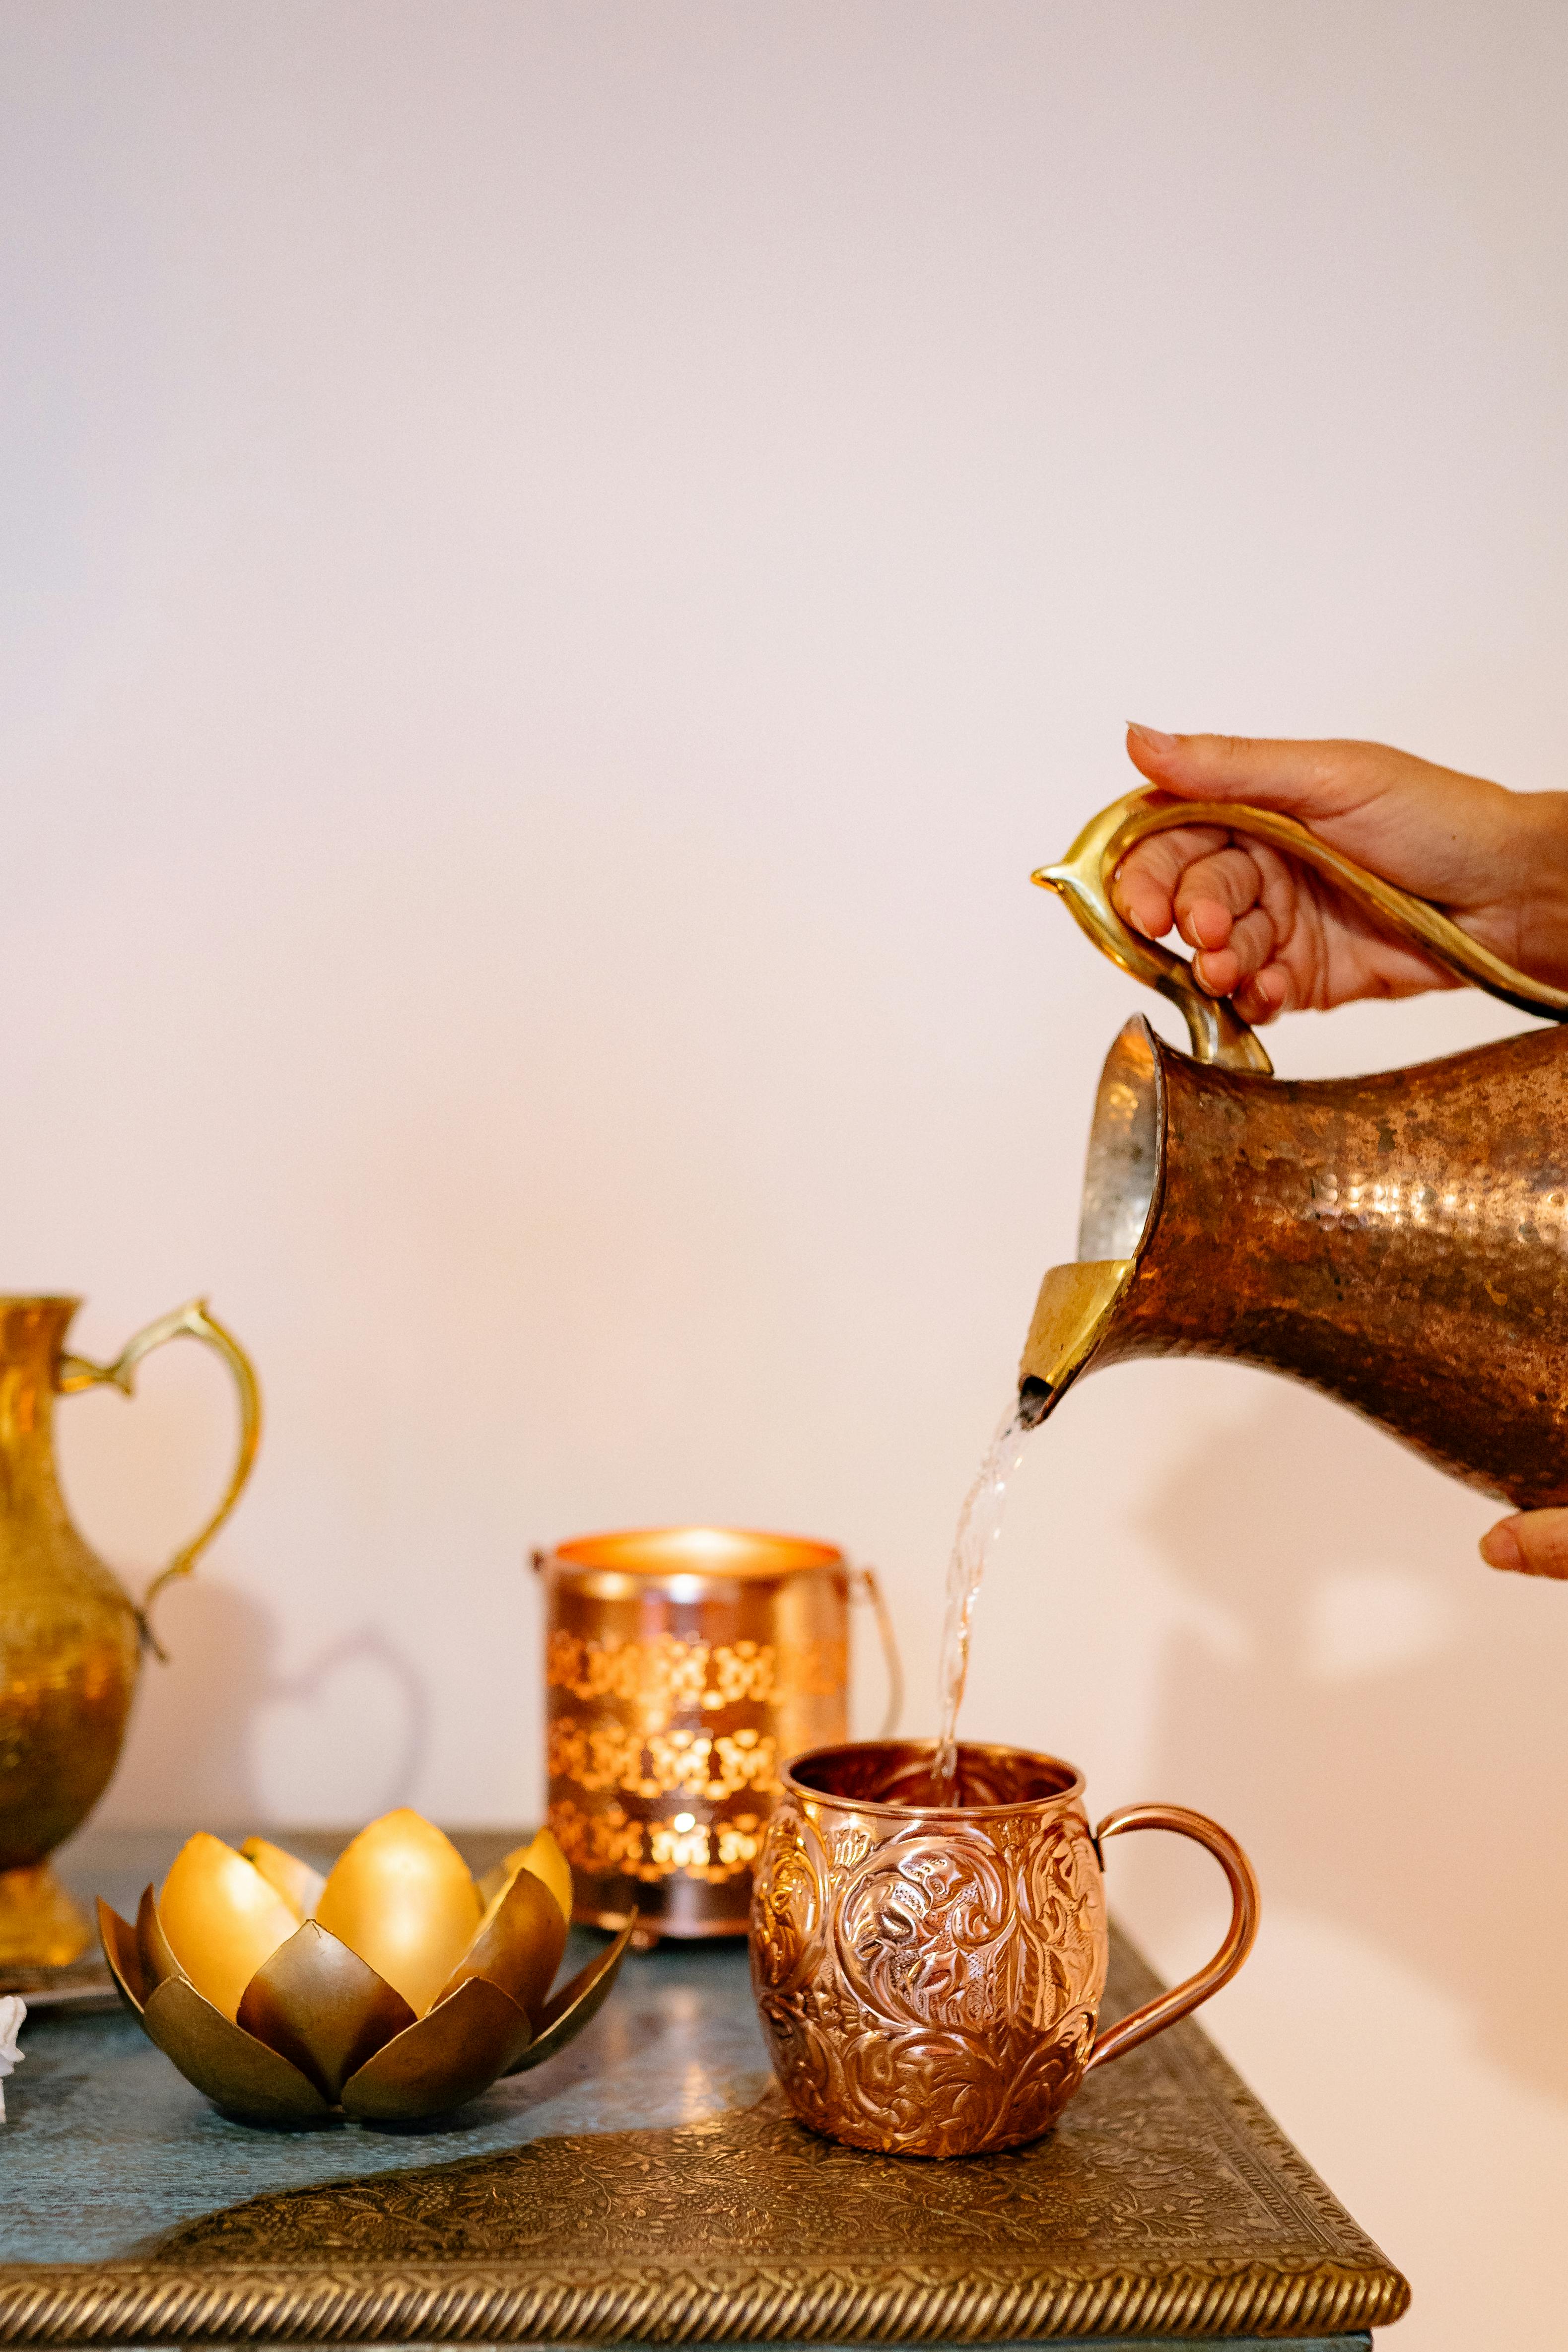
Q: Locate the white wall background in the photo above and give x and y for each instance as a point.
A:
(561, 564)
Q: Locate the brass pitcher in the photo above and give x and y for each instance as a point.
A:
(1399, 1241)
(70, 1637)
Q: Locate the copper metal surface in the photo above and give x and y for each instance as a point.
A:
(70, 1637)
(682, 1665)
(1398, 1241)
(930, 1975)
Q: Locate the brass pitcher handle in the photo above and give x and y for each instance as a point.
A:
(864, 1585)
(1216, 1030)
(194, 1322)
(1155, 2015)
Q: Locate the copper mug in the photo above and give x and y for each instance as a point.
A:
(929, 1974)
(682, 1667)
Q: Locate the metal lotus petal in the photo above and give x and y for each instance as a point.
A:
(322, 2008)
(399, 1895)
(222, 1918)
(579, 1999)
(154, 1947)
(299, 1886)
(544, 1858)
(316, 2024)
(518, 1946)
(452, 2054)
(240, 2075)
(119, 1940)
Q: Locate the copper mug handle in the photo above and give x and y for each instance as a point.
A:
(1115, 2040)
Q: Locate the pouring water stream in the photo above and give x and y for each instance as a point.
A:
(979, 1532)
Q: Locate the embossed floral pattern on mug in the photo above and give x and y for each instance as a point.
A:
(930, 1976)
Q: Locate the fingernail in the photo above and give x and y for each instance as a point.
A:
(1500, 1549)
(1153, 736)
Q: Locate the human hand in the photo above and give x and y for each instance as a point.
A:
(1532, 1543)
(1277, 936)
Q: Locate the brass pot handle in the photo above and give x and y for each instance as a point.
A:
(1216, 1030)
(1114, 2041)
(192, 1322)
(864, 1585)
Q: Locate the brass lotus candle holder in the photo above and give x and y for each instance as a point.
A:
(397, 1986)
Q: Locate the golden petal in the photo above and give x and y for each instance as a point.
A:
(544, 1859)
(119, 1940)
(401, 1898)
(221, 1918)
(317, 2004)
(153, 1949)
(243, 2076)
(519, 1947)
(579, 1999)
(299, 1886)
(450, 2056)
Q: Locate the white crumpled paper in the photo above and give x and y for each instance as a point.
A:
(13, 2009)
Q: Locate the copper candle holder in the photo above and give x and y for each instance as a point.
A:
(683, 1665)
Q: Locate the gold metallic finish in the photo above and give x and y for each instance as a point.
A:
(1070, 1316)
(1216, 1030)
(317, 2028)
(321, 2007)
(400, 1895)
(70, 1637)
(518, 1946)
(1398, 1241)
(930, 1975)
(222, 1918)
(579, 1999)
(456, 2051)
(189, 1322)
(682, 1667)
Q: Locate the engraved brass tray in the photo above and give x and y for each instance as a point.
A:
(649, 2187)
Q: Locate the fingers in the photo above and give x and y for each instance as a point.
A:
(1307, 780)
(1245, 953)
(1144, 891)
(1213, 892)
(1532, 1543)
(1265, 997)
(1232, 905)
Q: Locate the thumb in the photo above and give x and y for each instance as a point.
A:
(1310, 781)
(1532, 1543)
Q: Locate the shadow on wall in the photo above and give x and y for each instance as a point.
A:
(1388, 1732)
(199, 1751)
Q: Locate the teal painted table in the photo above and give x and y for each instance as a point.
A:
(647, 2185)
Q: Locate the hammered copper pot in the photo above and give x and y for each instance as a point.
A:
(1400, 1240)
(929, 1974)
